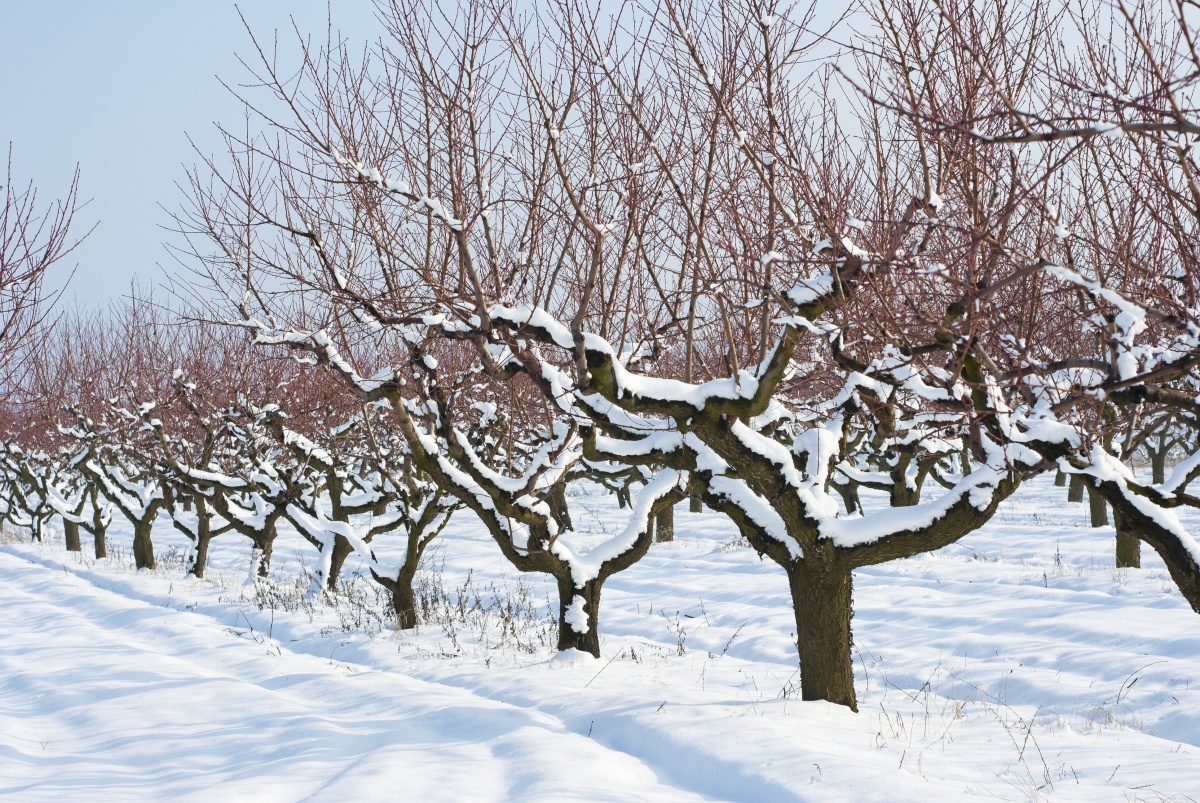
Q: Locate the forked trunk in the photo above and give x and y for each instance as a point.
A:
(71, 533)
(849, 494)
(821, 599)
(902, 494)
(1129, 546)
(143, 546)
(664, 524)
(578, 616)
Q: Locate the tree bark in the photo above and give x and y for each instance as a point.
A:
(71, 533)
(695, 504)
(902, 495)
(99, 529)
(822, 602)
(1075, 489)
(1129, 546)
(404, 599)
(1097, 507)
(341, 551)
(664, 524)
(265, 543)
(568, 636)
(200, 555)
(143, 546)
(1060, 479)
(557, 499)
(849, 494)
(1158, 465)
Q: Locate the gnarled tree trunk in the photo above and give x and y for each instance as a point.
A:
(71, 533)
(1129, 546)
(664, 524)
(1075, 489)
(1097, 507)
(821, 599)
(579, 615)
(341, 551)
(143, 546)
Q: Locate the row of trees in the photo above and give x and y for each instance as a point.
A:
(505, 248)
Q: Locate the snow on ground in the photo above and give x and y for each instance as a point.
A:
(1017, 664)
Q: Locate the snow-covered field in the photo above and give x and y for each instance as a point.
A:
(1017, 664)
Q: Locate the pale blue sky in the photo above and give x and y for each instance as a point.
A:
(117, 86)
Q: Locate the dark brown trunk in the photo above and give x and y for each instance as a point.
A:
(1060, 479)
(1075, 489)
(341, 551)
(664, 524)
(143, 546)
(404, 599)
(557, 499)
(71, 533)
(695, 504)
(265, 543)
(902, 495)
(568, 636)
(1097, 507)
(821, 598)
(849, 494)
(1129, 546)
(100, 540)
(200, 556)
(1158, 465)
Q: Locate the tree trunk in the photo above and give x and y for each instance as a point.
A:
(664, 524)
(200, 556)
(1097, 507)
(1158, 464)
(1075, 489)
(1060, 479)
(71, 533)
(821, 599)
(404, 599)
(573, 633)
(99, 531)
(849, 494)
(143, 546)
(695, 505)
(265, 543)
(902, 495)
(341, 551)
(100, 541)
(1129, 546)
(557, 499)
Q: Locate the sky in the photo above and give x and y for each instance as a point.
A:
(117, 87)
